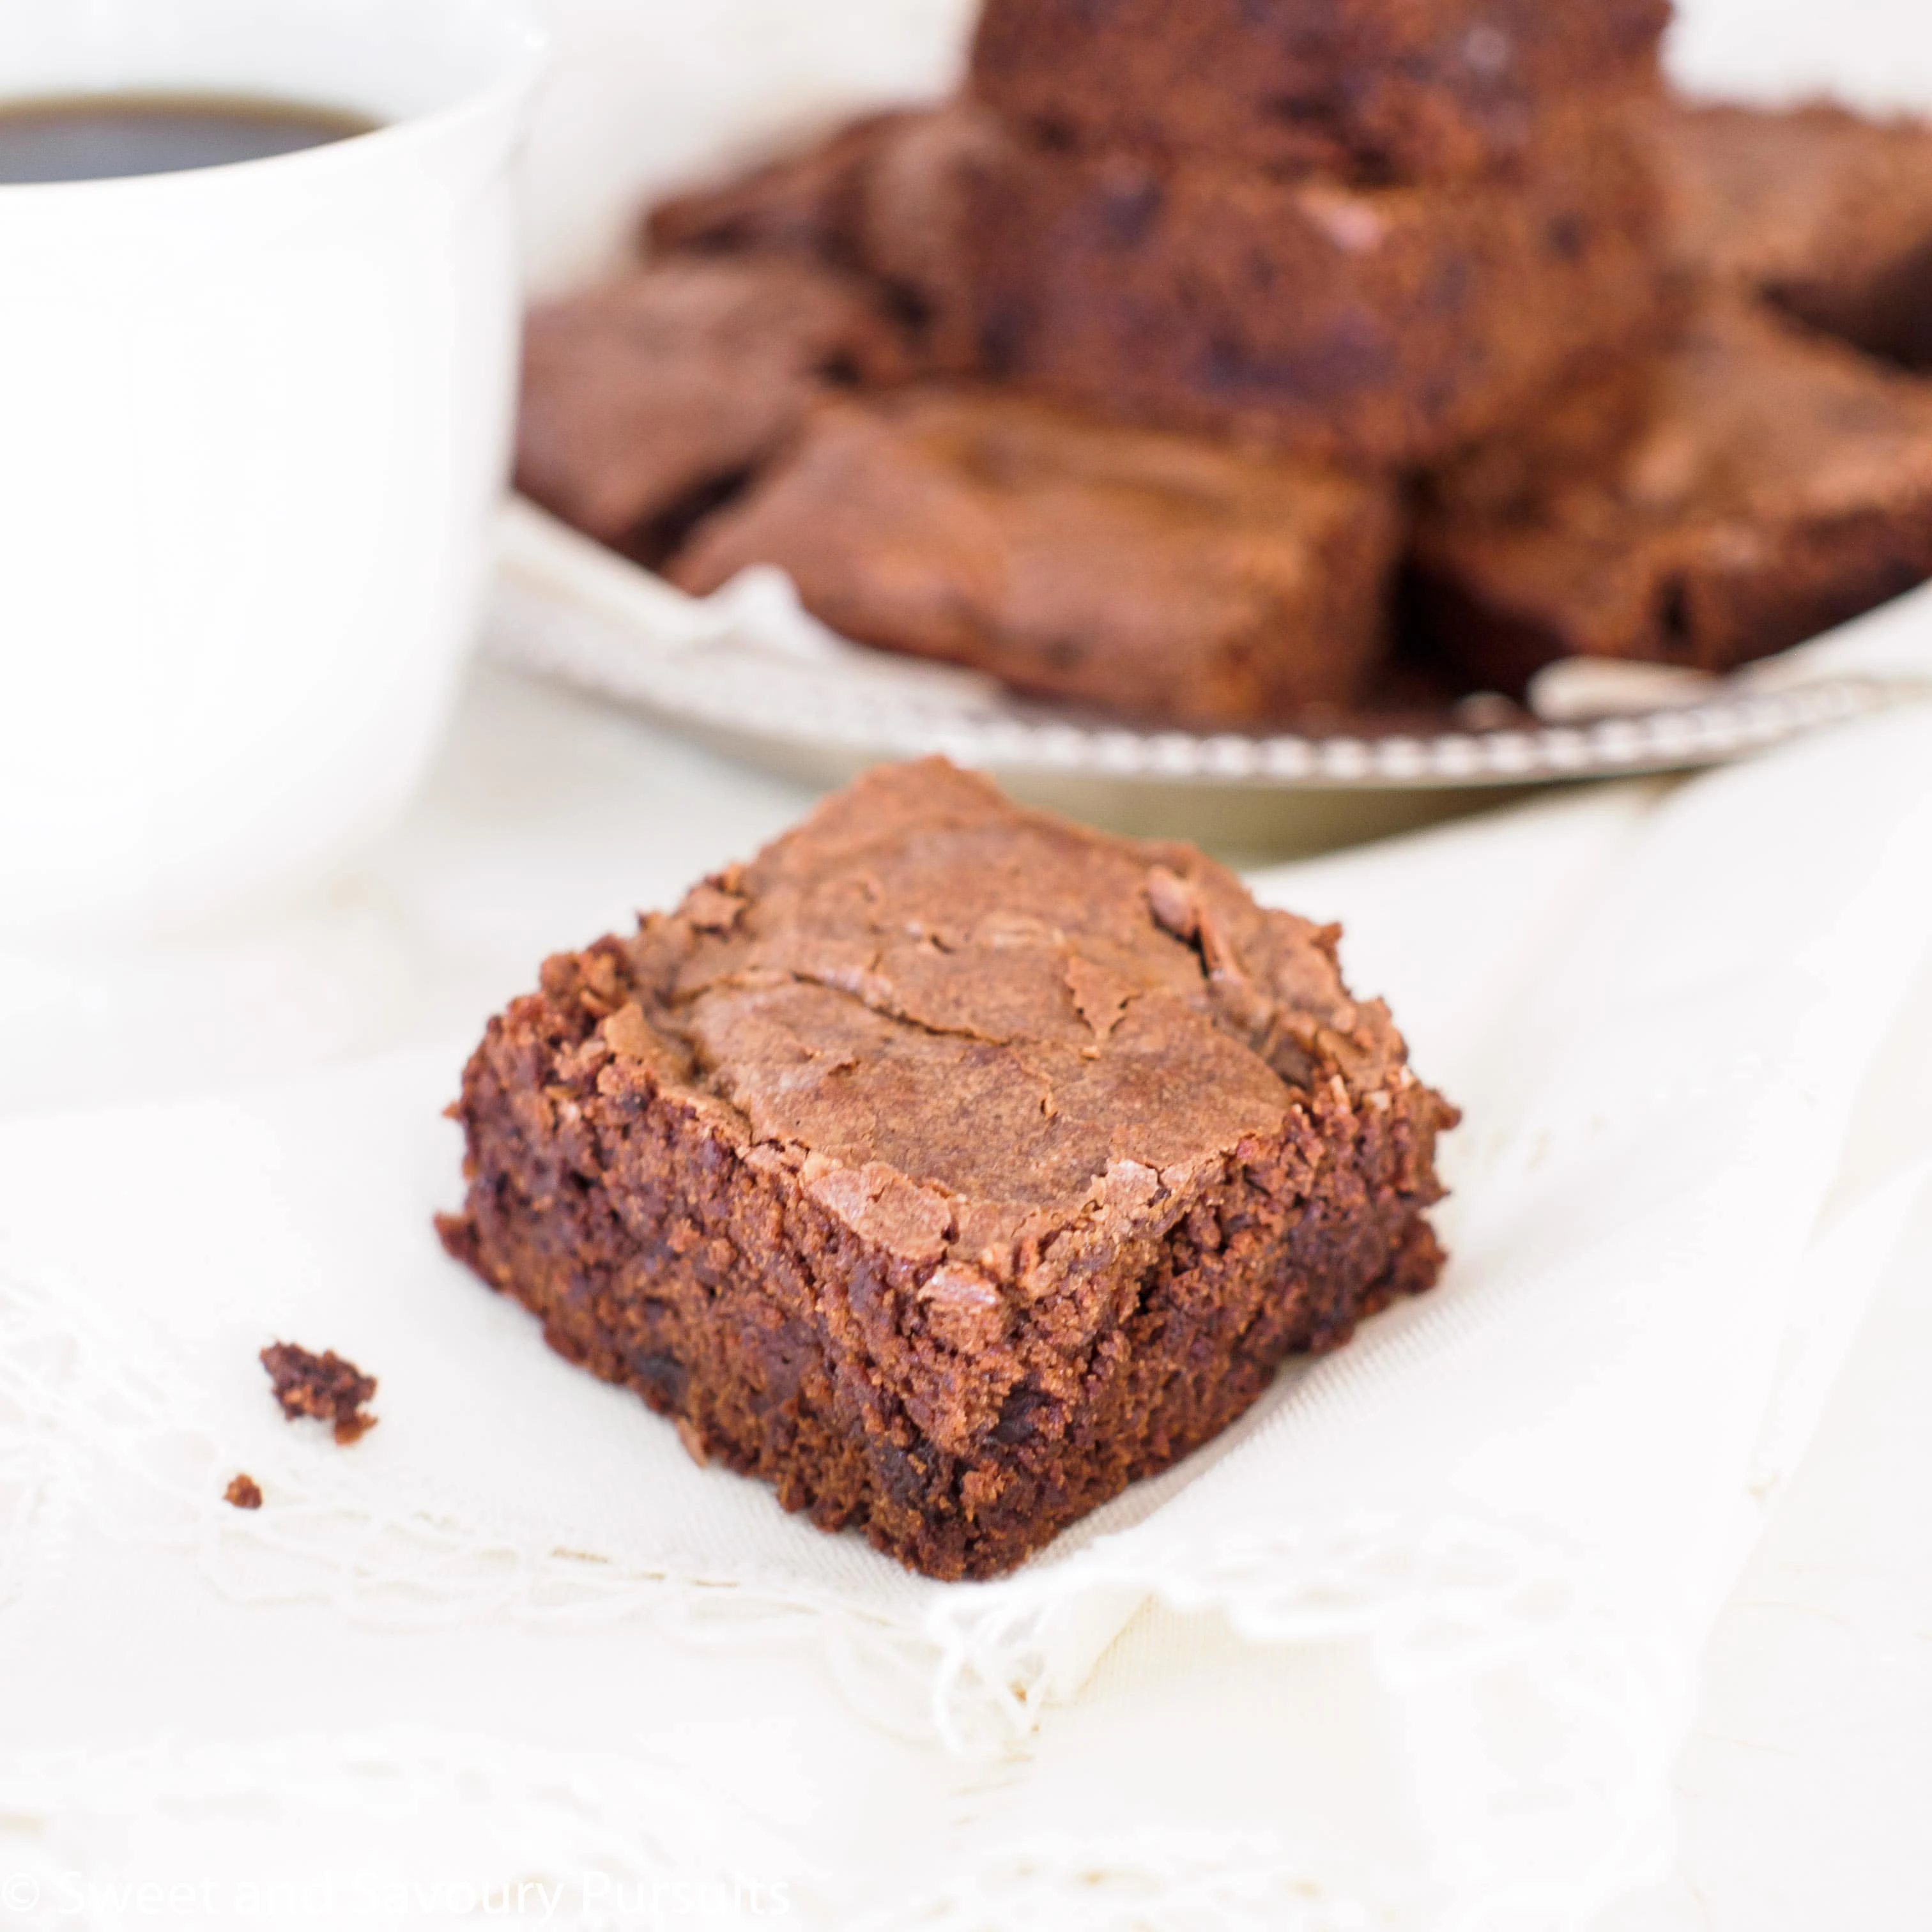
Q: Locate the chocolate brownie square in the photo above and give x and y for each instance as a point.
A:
(1385, 325)
(1828, 214)
(1781, 484)
(949, 1167)
(1366, 91)
(886, 198)
(643, 399)
(1157, 575)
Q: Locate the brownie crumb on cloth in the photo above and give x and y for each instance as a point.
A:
(323, 1386)
(244, 1492)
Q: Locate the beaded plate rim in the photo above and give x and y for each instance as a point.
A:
(749, 665)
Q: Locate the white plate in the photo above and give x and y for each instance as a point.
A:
(748, 669)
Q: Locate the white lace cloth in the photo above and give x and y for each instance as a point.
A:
(1411, 1646)
(1409, 1649)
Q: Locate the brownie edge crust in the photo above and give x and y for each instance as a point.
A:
(949, 1167)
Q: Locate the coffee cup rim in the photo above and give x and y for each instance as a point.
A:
(529, 44)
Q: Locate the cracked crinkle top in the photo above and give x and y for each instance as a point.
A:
(950, 1166)
(923, 983)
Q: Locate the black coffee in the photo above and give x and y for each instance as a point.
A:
(97, 137)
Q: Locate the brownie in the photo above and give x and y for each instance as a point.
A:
(808, 203)
(1590, 420)
(1781, 484)
(949, 1167)
(1827, 213)
(1365, 91)
(646, 398)
(1379, 325)
(324, 1386)
(884, 198)
(1156, 575)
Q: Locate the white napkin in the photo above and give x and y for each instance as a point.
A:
(1477, 1554)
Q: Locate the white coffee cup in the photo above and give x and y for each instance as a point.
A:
(253, 422)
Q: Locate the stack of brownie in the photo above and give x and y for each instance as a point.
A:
(1143, 374)
(1373, 230)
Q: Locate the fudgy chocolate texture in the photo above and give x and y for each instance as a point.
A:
(1383, 326)
(1826, 212)
(886, 198)
(949, 1166)
(1374, 91)
(644, 398)
(1781, 484)
(1156, 575)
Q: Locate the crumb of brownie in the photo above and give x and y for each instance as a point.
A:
(324, 1386)
(694, 1442)
(244, 1492)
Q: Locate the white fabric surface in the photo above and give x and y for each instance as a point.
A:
(1413, 1646)
(1413, 1649)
